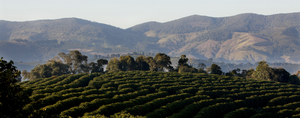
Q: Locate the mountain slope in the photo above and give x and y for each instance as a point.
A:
(69, 29)
(249, 37)
(244, 37)
(69, 33)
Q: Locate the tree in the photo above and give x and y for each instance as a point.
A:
(282, 75)
(58, 67)
(53, 67)
(264, 72)
(183, 66)
(75, 60)
(163, 61)
(152, 63)
(183, 61)
(98, 67)
(113, 65)
(40, 71)
(293, 79)
(142, 64)
(25, 74)
(127, 63)
(249, 73)
(12, 96)
(235, 72)
(215, 69)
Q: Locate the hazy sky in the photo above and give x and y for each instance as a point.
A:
(127, 13)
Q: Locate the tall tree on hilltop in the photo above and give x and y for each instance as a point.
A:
(264, 72)
(75, 60)
(163, 61)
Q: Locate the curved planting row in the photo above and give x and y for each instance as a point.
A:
(159, 95)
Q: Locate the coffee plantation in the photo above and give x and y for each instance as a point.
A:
(160, 95)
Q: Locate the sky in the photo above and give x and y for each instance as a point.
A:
(127, 13)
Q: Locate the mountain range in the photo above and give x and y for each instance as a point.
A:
(240, 38)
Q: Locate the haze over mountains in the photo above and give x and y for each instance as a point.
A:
(244, 38)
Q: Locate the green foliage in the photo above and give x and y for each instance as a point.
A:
(113, 65)
(160, 94)
(97, 67)
(215, 69)
(127, 63)
(53, 67)
(75, 60)
(183, 66)
(264, 72)
(240, 113)
(293, 79)
(163, 61)
(142, 63)
(12, 96)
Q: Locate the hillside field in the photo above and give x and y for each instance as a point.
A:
(160, 95)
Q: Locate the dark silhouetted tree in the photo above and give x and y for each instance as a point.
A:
(142, 64)
(12, 96)
(215, 69)
(282, 75)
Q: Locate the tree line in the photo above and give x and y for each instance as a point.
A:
(75, 62)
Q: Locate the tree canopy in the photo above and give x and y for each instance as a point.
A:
(163, 61)
(215, 69)
(12, 96)
(75, 60)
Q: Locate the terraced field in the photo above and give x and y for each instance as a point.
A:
(160, 95)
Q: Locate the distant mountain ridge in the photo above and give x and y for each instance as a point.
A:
(273, 37)
(243, 37)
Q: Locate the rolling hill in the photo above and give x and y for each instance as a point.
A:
(160, 95)
(244, 37)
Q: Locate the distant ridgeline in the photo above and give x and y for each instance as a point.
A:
(159, 95)
(240, 38)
